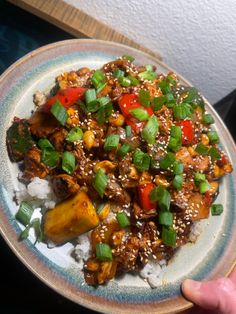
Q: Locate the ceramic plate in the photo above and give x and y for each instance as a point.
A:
(214, 253)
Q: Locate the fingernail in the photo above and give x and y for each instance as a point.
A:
(192, 284)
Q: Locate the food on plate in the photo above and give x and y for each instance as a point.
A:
(131, 159)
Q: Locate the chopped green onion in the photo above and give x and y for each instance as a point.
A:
(204, 187)
(100, 87)
(36, 224)
(167, 161)
(165, 218)
(141, 160)
(168, 236)
(174, 144)
(213, 137)
(199, 177)
(201, 149)
(59, 112)
(100, 207)
(207, 118)
(214, 153)
(91, 100)
(150, 130)
(100, 182)
(75, 134)
(50, 157)
(24, 213)
(104, 112)
(128, 131)
(170, 100)
(111, 142)
(147, 75)
(176, 132)
(68, 162)
(139, 113)
(45, 143)
(170, 79)
(217, 209)
(182, 111)
(165, 87)
(178, 167)
(118, 73)
(125, 148)
(192, 95)
(178, 182)
(98, 79)
(82, 105)
(134, 81)
(103, 101)
(123, 220)
(103, 252)
(149, 67)
(124, 81)
(158, 102)
(25, 233)
(128, 57)
(162, 196)
(144, 98)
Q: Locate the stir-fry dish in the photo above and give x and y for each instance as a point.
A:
(131, 158)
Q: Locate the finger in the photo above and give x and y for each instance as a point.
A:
(218, 295)
(233, 276)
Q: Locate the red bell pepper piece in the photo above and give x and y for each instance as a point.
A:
(67, 97)
(128, 102)
(144, 198)
(187, 131)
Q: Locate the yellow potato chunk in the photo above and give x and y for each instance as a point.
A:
(70, 218)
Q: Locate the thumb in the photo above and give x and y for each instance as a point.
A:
(218, 295)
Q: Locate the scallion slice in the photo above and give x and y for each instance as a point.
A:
(201, 149)
(104, 112)
(214, 154)
(204, 186)
(123, 220)
(165, 87)
(103, 252)
(174, 144)
(124, 81)
(217, 209)
(168, 236)
(59, 112)
(150, 130)
(100, 182)
(158, 102)
(45, 143)
(162, 196)
(36, 225)
(199, 177)
(125, 148)
(178, 167)
(147, 75)
(182, 111)
(134, 81)
(98, 78)
(24, 213)
(213, 137)
(92, 104)
(207, 118)
(111, 142)
(178, 182)
(118, 73)
(50, 157)
(128, 57)
(68, 162)
(141, 160)
(128, 131)
(75, 134)
(24, 233)
(139, 113)
(176, 132)
(144, 98)
(167, 161)
(165, 218)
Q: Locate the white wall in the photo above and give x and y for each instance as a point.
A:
(195, 37)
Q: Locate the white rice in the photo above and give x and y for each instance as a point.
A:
(153, 272)
(82, 249)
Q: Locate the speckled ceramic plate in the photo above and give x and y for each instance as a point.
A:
(214, 253)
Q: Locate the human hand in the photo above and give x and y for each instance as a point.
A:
(217, 296)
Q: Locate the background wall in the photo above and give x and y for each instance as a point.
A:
(197, 38)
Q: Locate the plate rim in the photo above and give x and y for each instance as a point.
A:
(23, 249)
